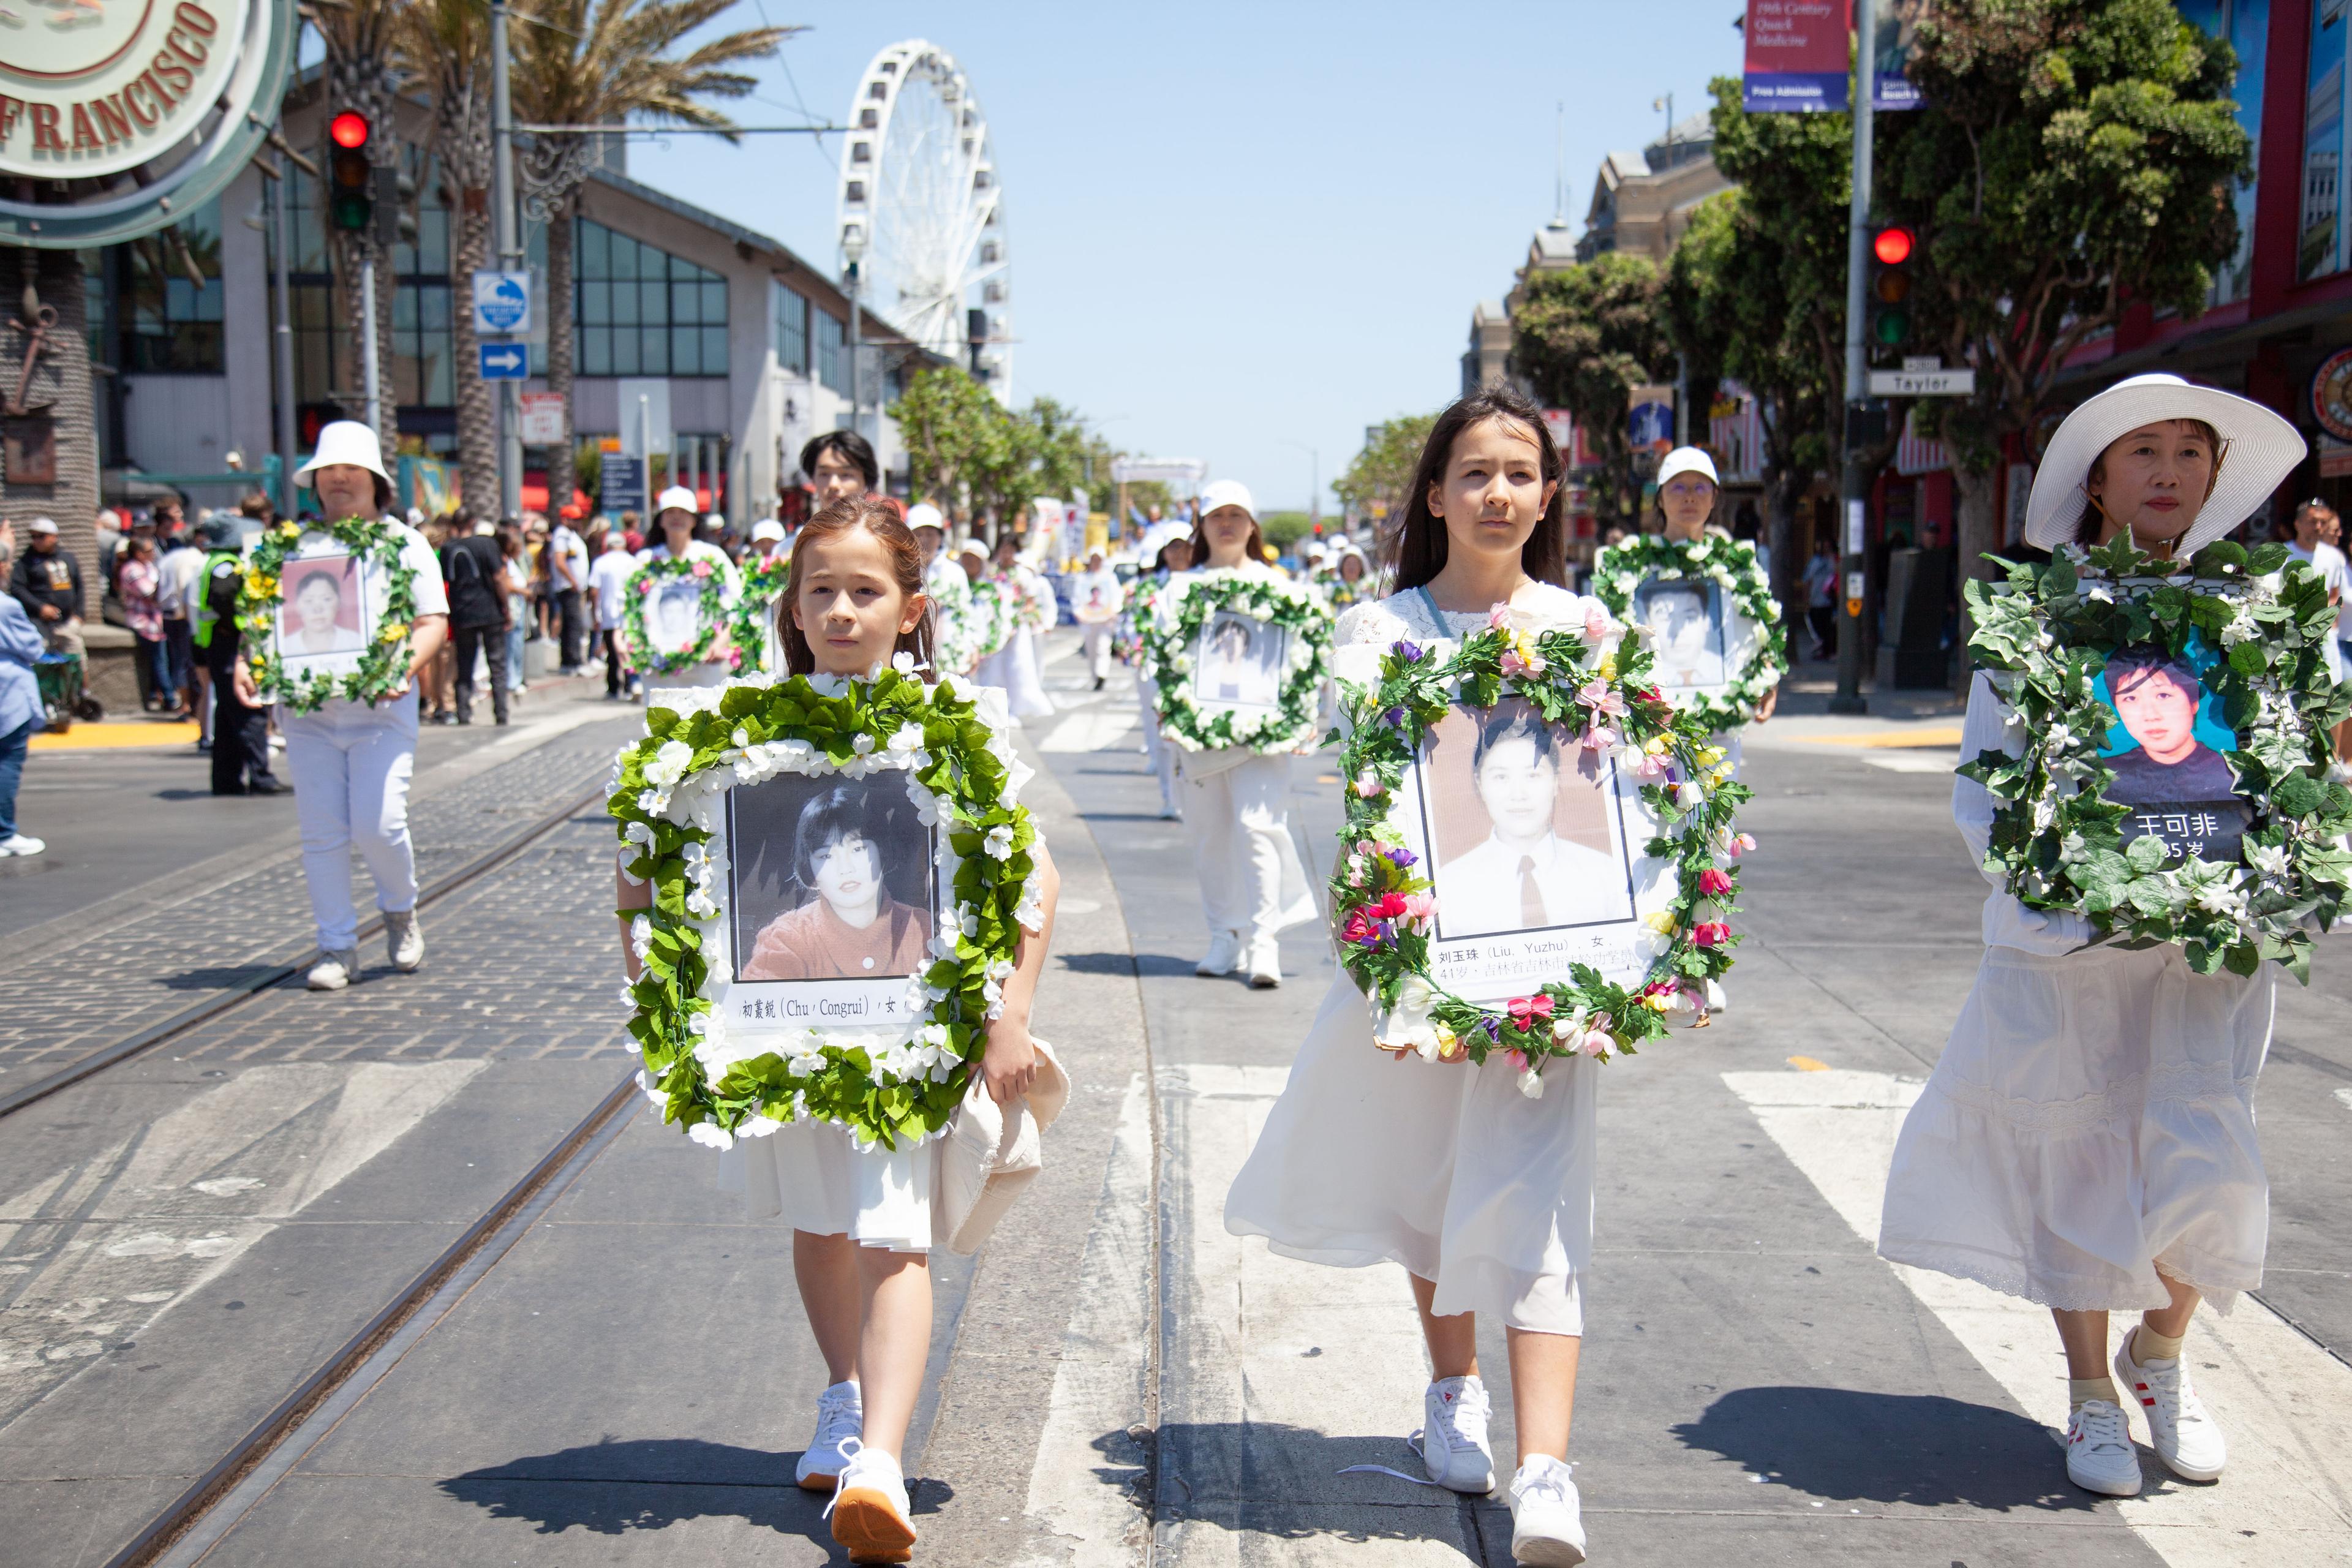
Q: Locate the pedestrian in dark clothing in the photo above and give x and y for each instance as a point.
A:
(240, 734)
(474, 570)
(46, 580)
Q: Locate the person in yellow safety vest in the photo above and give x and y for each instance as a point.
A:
(240, 729)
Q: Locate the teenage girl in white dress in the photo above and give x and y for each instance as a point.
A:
(1484, 1196)
(2088, 1138)
(1237, 803)
(862, 1220)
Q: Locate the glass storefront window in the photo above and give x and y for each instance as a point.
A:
(832, 353)
(790, 309)
(170, 321)
(2321, 248)
(642, 312)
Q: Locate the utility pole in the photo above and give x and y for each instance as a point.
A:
(285, 232)
(1853, 584)
(506, 234)
(368, 365)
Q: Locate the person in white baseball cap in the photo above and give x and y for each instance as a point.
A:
(352, 762)
(678, 518)
(767, 537)
(2001, 1173)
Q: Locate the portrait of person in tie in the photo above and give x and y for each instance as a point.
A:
(1524, 826)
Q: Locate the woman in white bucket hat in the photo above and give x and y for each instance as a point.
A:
(2088, 1138)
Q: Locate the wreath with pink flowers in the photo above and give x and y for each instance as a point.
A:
(709, 642)
(1593, 692)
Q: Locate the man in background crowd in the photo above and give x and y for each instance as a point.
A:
(475, 571)
(47, 580)
(607, 583)
(568, 576)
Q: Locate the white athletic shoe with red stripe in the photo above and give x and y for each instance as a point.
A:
(2099, 1453)
(2186, 1440)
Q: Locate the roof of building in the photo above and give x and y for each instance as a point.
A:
(1555, 243)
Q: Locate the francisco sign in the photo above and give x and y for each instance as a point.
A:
(95, 87)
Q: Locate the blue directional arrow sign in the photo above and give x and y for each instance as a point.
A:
(505, 362)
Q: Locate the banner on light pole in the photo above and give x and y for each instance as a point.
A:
(1797, 56)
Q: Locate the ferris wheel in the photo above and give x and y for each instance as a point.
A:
(920, 209)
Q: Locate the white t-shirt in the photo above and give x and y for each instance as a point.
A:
(607, 578)
(573, 552)
(2336, 572)
(182, 566)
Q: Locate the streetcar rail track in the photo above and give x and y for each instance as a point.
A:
(271, 975)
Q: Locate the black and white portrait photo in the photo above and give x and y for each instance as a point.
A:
(322, 613)
(1237, 662)
(1688, 631)
(830, 878)
(1522, 825)
(674, 614)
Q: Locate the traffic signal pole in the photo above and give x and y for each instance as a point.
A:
(1852, 583)
(509, 244)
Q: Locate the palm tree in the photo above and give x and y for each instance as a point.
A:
(604, 62)
(445, 45)
(360, 39)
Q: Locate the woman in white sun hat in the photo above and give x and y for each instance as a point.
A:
(2088, 1138)
(675, 522)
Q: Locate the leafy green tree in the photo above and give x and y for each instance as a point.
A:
(1378, 474)
(1284, 529)
(1585, 337)
(2077, 158)
(943, 418)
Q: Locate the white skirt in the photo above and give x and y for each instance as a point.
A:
(809, 1175)
(1016, 667)
(1449, 1170)
(2089, 1127)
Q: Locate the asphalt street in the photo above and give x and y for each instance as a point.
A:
(1115, 1380)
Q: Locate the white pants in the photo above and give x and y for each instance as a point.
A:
(1239, 822)
(351, 766)
(1157, 751)
(1098, 645)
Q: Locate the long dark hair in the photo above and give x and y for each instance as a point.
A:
(1415, 550)
(881, 520)
(1256, 546)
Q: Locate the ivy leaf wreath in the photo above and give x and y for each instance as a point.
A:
(749, 627)
(1170, 638)
(709, 643)
(2046, 632)
(892, 1087)
(1731, 564)
(383, 663)
(1384, 909)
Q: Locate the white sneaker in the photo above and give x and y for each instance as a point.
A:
(1547, 1520)
(2186, 1440)
(335, 971)
(21, 844)
(1225, 953)
(869, 1506)
(840, 1412)
(1717, 1001)
(1452, 1441)
(1265, 964)
(404, 940)
(2099, 1453)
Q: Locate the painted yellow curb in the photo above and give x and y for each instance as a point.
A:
(103, 736)
(1808, 1064)
(1947, 735)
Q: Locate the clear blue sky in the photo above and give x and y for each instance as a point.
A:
(1233, 226)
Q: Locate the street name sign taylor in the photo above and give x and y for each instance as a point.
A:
(1923, 382)
(118, 116)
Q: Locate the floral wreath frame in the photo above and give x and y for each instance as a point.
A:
(991, 618)
(950, 592)
(1731, 564)
(1384, 913)
(1168, 641)
(710, 645)
(1033, 609)
(383, 663)
(752, 621)
(2045, 634)
(1131, 642)
(889, 1087)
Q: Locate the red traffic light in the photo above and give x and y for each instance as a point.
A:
(349, 128)
(1892, 246)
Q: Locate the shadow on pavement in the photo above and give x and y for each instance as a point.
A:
(1292, 1488)
(1919, 1450)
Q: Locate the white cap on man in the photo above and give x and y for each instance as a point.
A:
(41, 525)
(1226, 492)
(923, 514)
(766, 530)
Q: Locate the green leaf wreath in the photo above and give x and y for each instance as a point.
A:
(885, 1087)
(751, 628)
(950, 592)
(383, 663)
(709, 644)
(1731, 564)
(990, 620)
(1383, 909)
(2057, 843)
(1173, 635)
(1129, 643)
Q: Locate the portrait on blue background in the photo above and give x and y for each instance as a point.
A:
(2167, 749)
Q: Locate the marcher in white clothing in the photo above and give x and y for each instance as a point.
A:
(1097, 597)
(1484, 1196)
(1237, 803)
(2086, 1141)
(2313, 548)
(351, 761)
(677, 521)
(1172, 560)
(1018, 667)
(861, 1219)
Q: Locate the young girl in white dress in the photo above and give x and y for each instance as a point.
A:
(1237, 803)
(862, 1220)
(2086, 1141)
(1483, 1196)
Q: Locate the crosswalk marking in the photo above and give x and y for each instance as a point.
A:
(2284, 1404)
